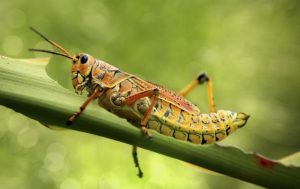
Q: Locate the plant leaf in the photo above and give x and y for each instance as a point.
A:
(26, 88)
(292, 159)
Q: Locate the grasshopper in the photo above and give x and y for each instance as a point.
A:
(147, 105)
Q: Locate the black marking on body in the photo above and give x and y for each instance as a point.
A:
(173, 135)
(203, 140)
(100, 76)
(116, 72)
(227, 131)
(215, 121)
(160, 128)
(192, 122)
(179, 117)
(222, 119)
(156, 105)
(188, 138)
(167, 113)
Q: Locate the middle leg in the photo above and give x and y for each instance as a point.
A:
(153, 94)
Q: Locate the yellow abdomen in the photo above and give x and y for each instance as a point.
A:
(170, 120)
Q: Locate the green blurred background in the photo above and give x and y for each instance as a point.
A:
(250, 49)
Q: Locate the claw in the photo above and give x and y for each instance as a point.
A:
(146, 132)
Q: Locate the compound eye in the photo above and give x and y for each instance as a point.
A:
(83, 59)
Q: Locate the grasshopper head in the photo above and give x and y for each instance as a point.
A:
(81, 68)
(82, 63)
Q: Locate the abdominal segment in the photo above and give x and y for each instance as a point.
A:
(170, 120)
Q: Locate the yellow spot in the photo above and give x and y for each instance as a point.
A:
(195, 138)
(221, 135)
(154, 125)
(209, 139)
(180, 135)
(165, 130)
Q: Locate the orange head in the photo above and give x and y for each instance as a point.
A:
(81, 68)
(82, 63)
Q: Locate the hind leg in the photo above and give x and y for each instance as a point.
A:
(201, 79)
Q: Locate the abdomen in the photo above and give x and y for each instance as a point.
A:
(170, 120)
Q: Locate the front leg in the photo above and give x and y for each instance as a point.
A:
(94, 95)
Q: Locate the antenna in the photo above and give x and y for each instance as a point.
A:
(65, 52)
(51, 52)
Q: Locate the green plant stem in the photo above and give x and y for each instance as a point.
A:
(26, 88)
